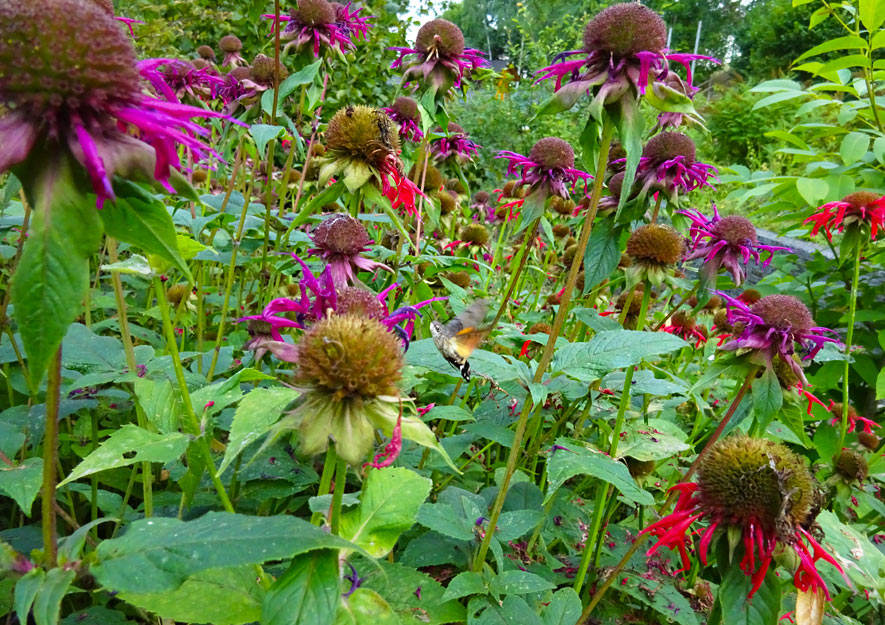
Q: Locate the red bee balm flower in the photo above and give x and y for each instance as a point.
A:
(862, 209)
(759, 488)
(73, 84)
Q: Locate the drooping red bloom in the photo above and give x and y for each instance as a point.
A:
(861, 209)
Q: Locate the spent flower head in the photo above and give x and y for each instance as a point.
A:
(404, 112)
(321, 25)
(669, 164)
(654, 250)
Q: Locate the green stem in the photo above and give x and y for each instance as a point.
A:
(852, 311)
(50, 460)
(673, 310)
(550, 347)
(325, 481)
(522, 255)
(196, 430)
(338, 495)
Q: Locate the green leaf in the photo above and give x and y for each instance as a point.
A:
(666, 599)
(854, 146)
(839, 43)
(776, 98)
(465, 584)
(880, 385)
(872, 14)
(306, 594)
(563, 609)
(613, 350)
(812, 190)
(303, 76)
(768, 398)
(159, 554)
(140, 219)
(161, 404)
(388, 507)
(516, 582)
(23, 482)
(862, 561)
(629, 122)
(47, 603)
(762, 609)
(255, 416)
(517, 523)
(225, 596)
(443, 518)
(130, 439)
(263, 133)
(135, 265)
(52, 276)
(602, 255)
(414, 595)
(366, 607)
(576, 459)
(843, 62)
(26, 591)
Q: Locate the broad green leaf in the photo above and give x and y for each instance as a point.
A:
(96, 615)
(52, 276)
(839, 43)
(414, 595)
(366, 607)
(576, 459)
(47, 603)
(71, 546)
(225, 392)
(563, 609)
(602, 256)
(872, 14)
(776, 98)
(225, 596)
(388, 507)
(666, 599)
(862, 561)
(844, 62)
(161, 403)
(22, 482)
(812, 190)
(763, 609)
(303, 76)
(159, 554)
(767, 396)
(879, 147)
(514, 609)
(305, 594)
(465, 584)
(516, 582)
(140, 446)
(613, 350)
(443, 518)
(517, 523)
(256, 414)
(263, 133)
(26, 591)
(854, 146)
(648, 445)
(140, 219)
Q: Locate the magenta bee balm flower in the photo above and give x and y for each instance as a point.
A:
(74, 85)
(340, 240)
(319, 23)
(550, 165)
(772, 327)
(727, 242)
(442, 60)
(669, 164)
(454, 146)
(624, 51)
(405, 113)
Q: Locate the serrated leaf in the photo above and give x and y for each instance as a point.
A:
(143, 446)
(443, 518)
(47, 603)
(22, 482)
(516, 582)
(613, 350)
(255, 416)
(160, 554)
(26, 590)
(768, 397)
(465, 584)
(576, 459)
(602, 255)
(388, 507)
(306, 594)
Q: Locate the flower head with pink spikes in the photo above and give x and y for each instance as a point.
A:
(321, 24)
(340, 241)
(550, 166)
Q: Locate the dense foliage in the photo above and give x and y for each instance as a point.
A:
(307, 320)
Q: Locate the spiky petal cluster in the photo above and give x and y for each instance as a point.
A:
(340, 240)
(772, 327)
(624, 50)
(74, 85)
(727, 242)
(405, 113)
(685, 326)
(851, 417)
(759, 488)
(669, 164)
(173, 79)
(549, 166)
(321, 25)
(455, 145)
(861, 209)
(441, 59)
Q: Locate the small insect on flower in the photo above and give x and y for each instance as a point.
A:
(458, 337)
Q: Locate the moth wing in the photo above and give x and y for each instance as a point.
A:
(468, 340)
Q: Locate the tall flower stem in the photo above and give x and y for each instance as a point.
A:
(550, 347)
(338, 494)
(147, 475)
(849, 336)
(268, 188)
(613, 575)
(602, 492)
(325, 480)
(196, 430)
(522, 255)
(50, 460)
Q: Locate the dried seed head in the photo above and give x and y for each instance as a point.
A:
(540, 328)
(656, 245)
(200, 175)
(713, 304)
(720, 320)
(635, 303)
(625, 29)
(561, 230)
(736, 230)
(314, 12)
(852, 465)
(447, 203)
(568, 255)
(354, 300)
(241, 73)
(349, 357)
(682, 319)
(616, 152)
(206, 52)
(263, 70)
(61, 55)
(507, 189)
(745, 479)
(561, 205)
(177, 293)
(475, 234)
(615, 184)
(441, 35)
(481, 197)
(667, 145)
(784, 312)
(869, 440)
(363, 133)
(553, 153)
(433, 179)
(230, 44)
(406, 108)
(750, 296)
(341, 234)
(836, 409)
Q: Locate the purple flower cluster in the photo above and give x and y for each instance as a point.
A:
(456, 145)
(549, 166)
